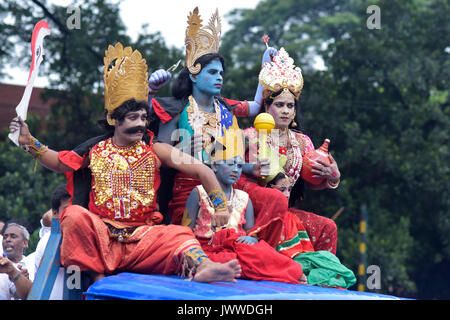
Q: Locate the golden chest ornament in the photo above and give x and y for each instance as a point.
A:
(123, 179)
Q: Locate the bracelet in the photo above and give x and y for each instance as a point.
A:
(218, 199)
(16, 277)
(35, 145)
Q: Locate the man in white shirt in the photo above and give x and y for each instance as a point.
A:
(14, 280)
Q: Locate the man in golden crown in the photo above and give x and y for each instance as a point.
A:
(197, 111)
(114, 227)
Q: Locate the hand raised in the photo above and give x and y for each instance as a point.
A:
(158, 79)
(268, 55)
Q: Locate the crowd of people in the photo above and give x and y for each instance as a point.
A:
(174, 186)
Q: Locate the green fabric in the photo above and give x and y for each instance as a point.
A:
(323, 268)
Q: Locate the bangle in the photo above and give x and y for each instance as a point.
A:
(16, 277)
(35, 145)
(218, 199)
(333, 185)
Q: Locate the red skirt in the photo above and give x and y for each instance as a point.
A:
(87, 243)
(258, 261)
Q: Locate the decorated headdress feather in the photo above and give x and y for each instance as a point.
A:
(125, 75)
(200, 41)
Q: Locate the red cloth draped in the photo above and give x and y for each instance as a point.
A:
(322, 231)
(86, 243)
(270, 208)
(259, 261)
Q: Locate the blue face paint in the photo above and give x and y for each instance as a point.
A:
(209, 80)
(229, 171)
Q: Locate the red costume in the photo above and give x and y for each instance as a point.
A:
(118, 232)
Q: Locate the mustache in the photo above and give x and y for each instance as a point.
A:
(135, 129)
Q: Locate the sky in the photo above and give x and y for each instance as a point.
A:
(167, 16)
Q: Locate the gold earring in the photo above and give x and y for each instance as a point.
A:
(294, 124)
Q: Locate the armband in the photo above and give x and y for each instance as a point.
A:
(218, 199)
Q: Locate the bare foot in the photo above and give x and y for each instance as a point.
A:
(303, 279)
(210, 271)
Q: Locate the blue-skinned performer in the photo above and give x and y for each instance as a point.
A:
(196, 108)
(259, 260)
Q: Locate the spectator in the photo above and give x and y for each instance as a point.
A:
(2, 224)
(14, 280)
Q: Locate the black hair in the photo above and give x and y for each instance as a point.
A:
(59, 194)
(269, 100)
(278, 177)
(182, 86)
(120, 112)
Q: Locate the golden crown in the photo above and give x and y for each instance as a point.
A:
(125, 75)
(231, 144)
(200, 41)
(281, 74)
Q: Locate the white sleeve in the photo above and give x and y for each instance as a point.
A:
(44, 230)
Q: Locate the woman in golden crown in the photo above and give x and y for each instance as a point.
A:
(196, 114)
(287, 148)
(113, 221)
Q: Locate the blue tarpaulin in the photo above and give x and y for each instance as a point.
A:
(132, 286)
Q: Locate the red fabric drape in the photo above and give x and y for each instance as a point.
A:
(259, 261)
(270, 208)
(182, 188)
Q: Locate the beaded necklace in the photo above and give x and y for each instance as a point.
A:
(293, 153)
